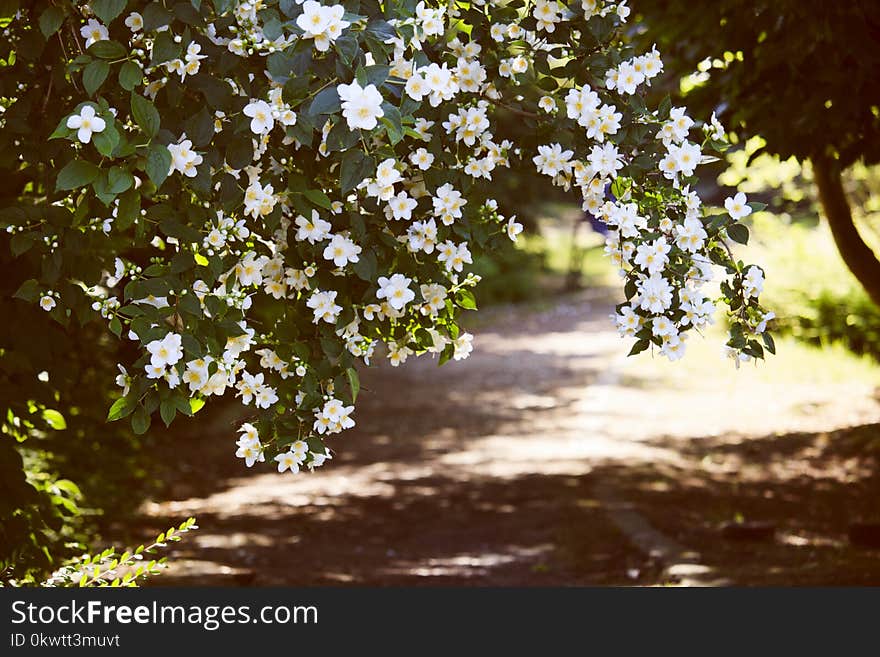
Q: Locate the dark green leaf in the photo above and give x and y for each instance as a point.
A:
(326, 102)
(50, 21)
(318, 197)
(738, 233)
(107, 10)
(145, 115)
(168, 409)
(28, 291)
(77, 173)
(140, 421)
(158, 163)
(105, 49)
(130, 76)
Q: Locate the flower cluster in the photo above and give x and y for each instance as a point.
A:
(287, 191)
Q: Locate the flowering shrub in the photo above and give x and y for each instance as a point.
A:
(260, 195)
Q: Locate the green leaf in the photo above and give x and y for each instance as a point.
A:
(119, 180)
(106, 140)
(28, 291)
(77, 173)
(326, 102)
(158, 163)
(240, 152)
(354, 383)
(195, 405)
(22, 242)
(200, 128)
(155, 16)
(61, 130)
(164, 48)
(757, 207)
(54, 419)
(347, 47)
(146, 115)
(107, 10)
(393, 123)
(375, 74)
(639, 347)
(50, 21)
(140, 421)
(105, 49)
(121, 408)
(168, 409)
(354, 169)
(466, 299)
(738, 233)
(94, 75)
(318, 197)
(129, 209)
(341, 138)
(366, 266)
(130, 76)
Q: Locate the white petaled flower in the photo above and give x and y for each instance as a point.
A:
(85, 123)
(184, 159)
(134, 22)
(342, 250)
(395, 290)
(262, 120)
(737, 206)
(361, 106)
(463, 346)
(94, 31)
(47, 302)
(288, 461)
(513, 228)
(753, 282)
(312, 230)
(324, 307)
(166, 351)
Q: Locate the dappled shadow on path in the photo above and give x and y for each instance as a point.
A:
(486, 472)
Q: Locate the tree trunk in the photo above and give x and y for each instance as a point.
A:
(857, 255)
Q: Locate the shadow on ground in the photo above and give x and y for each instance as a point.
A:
(491, 472)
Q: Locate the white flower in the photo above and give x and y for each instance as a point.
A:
(463, 346)
(342, 250)
(314, 19)
(401, 206)
(166, 351)
(134, 22)
(753, 282)
(323, 304)
(94, 31)
(361, 106)
(262, 121)
(737, 206)
(513, 228)
(422, 158)
(47, 302)
(652, 257)
(313, 230)
(655, 294)
(85, 123)
(251, 451)
(288, 461)
(395, 290)
(184, 158)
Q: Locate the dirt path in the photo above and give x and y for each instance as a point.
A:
(548, 458)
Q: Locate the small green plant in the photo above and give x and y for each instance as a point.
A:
(111, 568)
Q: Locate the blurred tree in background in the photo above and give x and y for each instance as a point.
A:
(801, 74)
